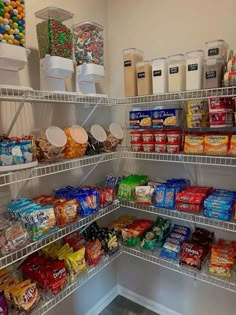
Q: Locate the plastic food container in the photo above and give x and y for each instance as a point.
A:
(77, 142)
(176, 73)
(144, 78)
(136, 136)
(130, 57)
(50, 147)
(159, 76)
(89, 43)
(221, 119)
(147, 136)
(114, 136)
(216, 49)
(159, 136)
(12, 22)
(213, 73)
(172, 148)
(100, 135)
(148, 147)
(54, 33)
(194, 70)
(173, 137)
(160, 147)
(136, 147)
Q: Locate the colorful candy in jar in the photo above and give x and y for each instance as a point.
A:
(12, 22)
(89, 43)
(54, 39)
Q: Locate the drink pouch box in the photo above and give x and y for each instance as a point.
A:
(219, 215)
(165, 117)
(140, 119)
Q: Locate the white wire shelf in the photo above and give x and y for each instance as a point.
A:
(228, 284)
(45, 169)
(48, 305)
(35, 246)
(183, 158)
(8, 93)
(229, 226)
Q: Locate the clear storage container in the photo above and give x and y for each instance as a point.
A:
(50, 144)
(216, 49)
(144, 78)
(194, 69)
(77, 142)
(130, 57)
(54, 33)
(12, 22)
(213, 73)
(159, 76)
(89, 43)
(176, 73)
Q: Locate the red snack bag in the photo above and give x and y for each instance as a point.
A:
(107, 196)
(94, 252)
(56, 276)
(192, 255)
(75, 240)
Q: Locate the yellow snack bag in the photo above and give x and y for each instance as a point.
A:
(76, 264)
(10, 284)
(8, 292)
(26, 297)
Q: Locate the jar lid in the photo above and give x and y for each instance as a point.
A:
(159, 60)
(98, 133)
(195, 54)
(79, 134)
(132, 50)
(116, 131)
(56, 136)
(178, 57)
(217, 42)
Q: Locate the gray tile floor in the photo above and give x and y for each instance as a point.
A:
(123, 306)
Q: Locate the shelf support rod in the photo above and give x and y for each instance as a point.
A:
(22, 103)
(90, 172)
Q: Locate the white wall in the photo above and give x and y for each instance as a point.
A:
(161, 28)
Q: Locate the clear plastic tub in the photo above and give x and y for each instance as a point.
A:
(159, 76)
(89, 43)
(216, 49)
(176, 73)
(77, 142)
(115, 134)
(12, 22)
(194, 70)
(54, 33)
(213, 73)
(130, 57)
(50, 144)
(144, 78)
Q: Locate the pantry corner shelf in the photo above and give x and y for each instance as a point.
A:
(60, 233)
(225, 283)
(229, 226)
(48, 305)
(45, 169)
(183, 158)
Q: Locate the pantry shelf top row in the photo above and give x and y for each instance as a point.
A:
(28, 95)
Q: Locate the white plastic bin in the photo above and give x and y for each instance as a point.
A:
(176, 73)
(216, 49)
(194, 69)
(144, 78)
(159, 76)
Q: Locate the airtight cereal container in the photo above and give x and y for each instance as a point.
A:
(51, 144)
(159, 76)
(194, 70)
(144, 78)
(12, 22)
(77, 142)
(54, 32)
(216, 49)
(89, 43)
(213, 73)
(131, 56)
(176, 73)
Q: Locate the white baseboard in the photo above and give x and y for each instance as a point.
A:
(104, 302)
(149, 304)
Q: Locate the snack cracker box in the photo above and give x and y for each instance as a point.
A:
(165, 117)
(140, 119)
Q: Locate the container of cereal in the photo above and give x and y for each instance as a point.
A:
(216, 49)
(160, 147)
(213, 73)
(148, 147)
(130, 57)
(136, 146)
(159, 76)
(77, 142)
(50, 147)
(144, 78)
(194, 70)
(176, 73)
(159, 136)
(136, 136)
(147, 136)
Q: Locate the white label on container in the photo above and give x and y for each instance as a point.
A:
(157, 73)
(174, 70)
(193, 67)
(141, 75)
(210, 74)
(213, 52)
(127, 63)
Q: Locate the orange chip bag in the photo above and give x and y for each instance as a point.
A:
(26, 297)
